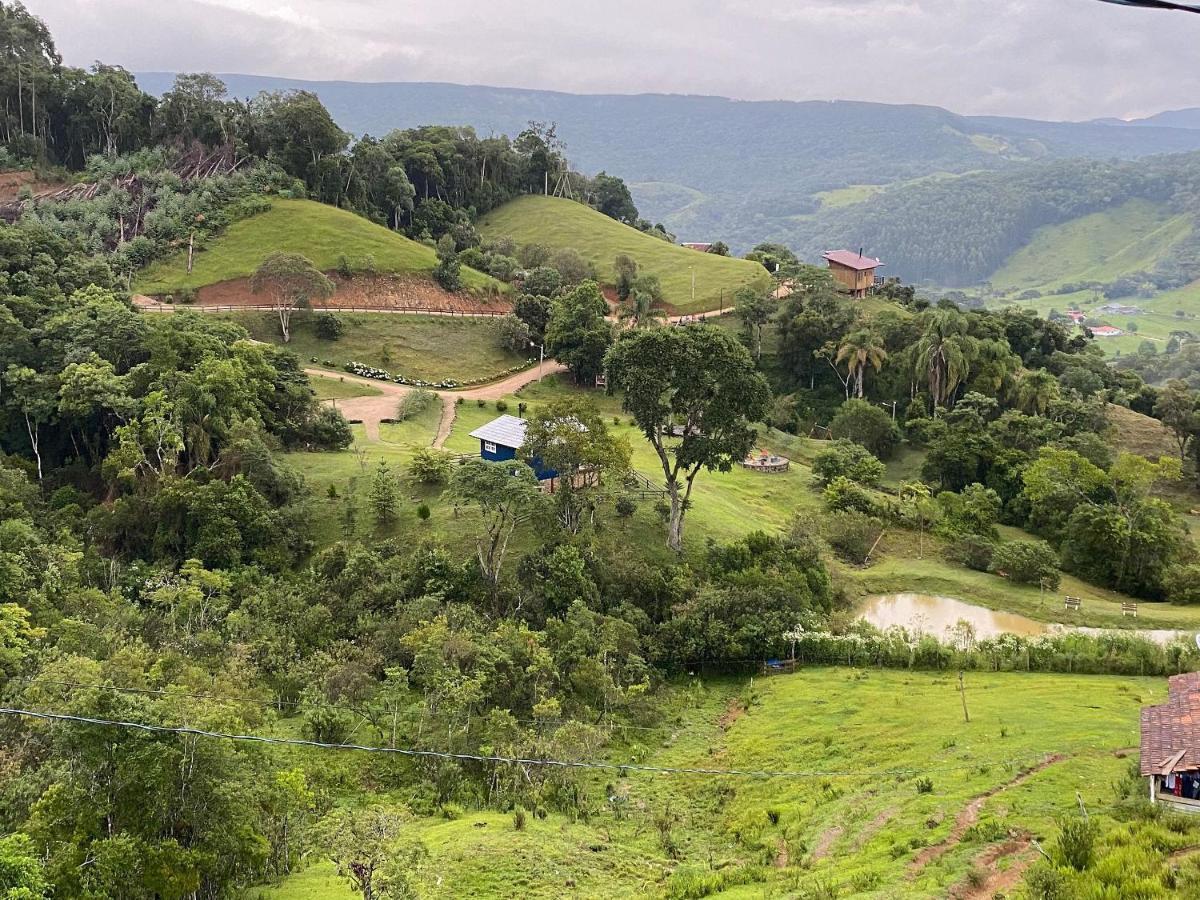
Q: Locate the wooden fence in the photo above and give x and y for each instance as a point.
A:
(396, 310)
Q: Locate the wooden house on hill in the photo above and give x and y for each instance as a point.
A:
(854, 272)
(1170, 745)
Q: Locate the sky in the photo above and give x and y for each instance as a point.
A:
(1055, 59)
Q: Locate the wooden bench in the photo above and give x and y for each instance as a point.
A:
(1129, 609)
(1072, 603)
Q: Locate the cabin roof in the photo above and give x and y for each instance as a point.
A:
(504, 431)
(702, 246)
(1105, 331)
(852, 260)
(1171, 730)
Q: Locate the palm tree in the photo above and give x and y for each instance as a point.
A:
(859, 350)
(639, 310)
(1035, 391)
(944, 353)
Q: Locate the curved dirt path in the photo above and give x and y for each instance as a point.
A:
(371, 410)
(970, 815)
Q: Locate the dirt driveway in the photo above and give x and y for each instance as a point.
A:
(371, 410)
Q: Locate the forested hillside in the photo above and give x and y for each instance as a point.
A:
(710, 168)
(959, 231)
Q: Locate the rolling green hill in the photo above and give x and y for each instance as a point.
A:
(320, 232)
(1101, 246)
(563, 223)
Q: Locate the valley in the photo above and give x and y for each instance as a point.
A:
(417, 490)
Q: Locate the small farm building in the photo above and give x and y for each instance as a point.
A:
(501, 438)
(699, 246)
(854, 272)
(1170, 747)
(1105, 331)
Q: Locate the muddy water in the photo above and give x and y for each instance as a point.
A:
(935, 615)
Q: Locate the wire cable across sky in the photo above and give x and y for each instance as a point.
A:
(509, 760)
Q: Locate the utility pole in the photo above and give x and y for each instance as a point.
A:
(693, 268)
(962, 690)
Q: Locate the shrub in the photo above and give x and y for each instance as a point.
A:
(974, 510)
(1076, 844)
(866, 424)
(924, 785)
(452, 811)
(625, 507)
(501, 406)
(851, 534)
(414, 403)
(329, 327)
(842, 494)
(973, 551)
(423, 512)
(1028, 562)
(1183, 584)
(519, 819)
(343, 266)
(431, 466)
(514, 335)
(847, 459)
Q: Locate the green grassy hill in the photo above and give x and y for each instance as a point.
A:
(563, 223)
(868, 828)
(1100, 247)
(320, 232)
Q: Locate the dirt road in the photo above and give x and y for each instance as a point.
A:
(371, 410)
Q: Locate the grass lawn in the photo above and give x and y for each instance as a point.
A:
(561, 223)
(320, 232)
(334, 388)
(857, 821)
(430, 348)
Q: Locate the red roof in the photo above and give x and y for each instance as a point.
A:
(1171, 731)
(852, 260)
(1105, 331)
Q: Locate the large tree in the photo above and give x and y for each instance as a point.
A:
(1176, 407)
(291, 282)
(578, 334)
(571, 438)
(503, 493)
(694, 392)
(754, 308)
(858, 351)
(943, 354)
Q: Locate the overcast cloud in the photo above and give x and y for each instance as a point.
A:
(1062, 59)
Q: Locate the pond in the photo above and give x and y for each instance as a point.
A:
(936, 615)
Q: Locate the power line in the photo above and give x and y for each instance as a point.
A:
(473, 757)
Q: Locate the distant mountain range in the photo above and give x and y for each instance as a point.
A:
(712, 168)
(1174, 118)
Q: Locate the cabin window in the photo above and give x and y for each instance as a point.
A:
(489, 447)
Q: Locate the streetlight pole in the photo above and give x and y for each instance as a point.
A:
(541, 356)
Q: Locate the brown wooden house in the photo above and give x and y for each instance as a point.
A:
(852, 271)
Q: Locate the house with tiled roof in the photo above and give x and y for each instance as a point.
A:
(853, 272)
(1170, 745)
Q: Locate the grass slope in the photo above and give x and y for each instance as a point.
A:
(320, 232)
(563, 223)
(430, 348)
(857, 831)
(1099, 247)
